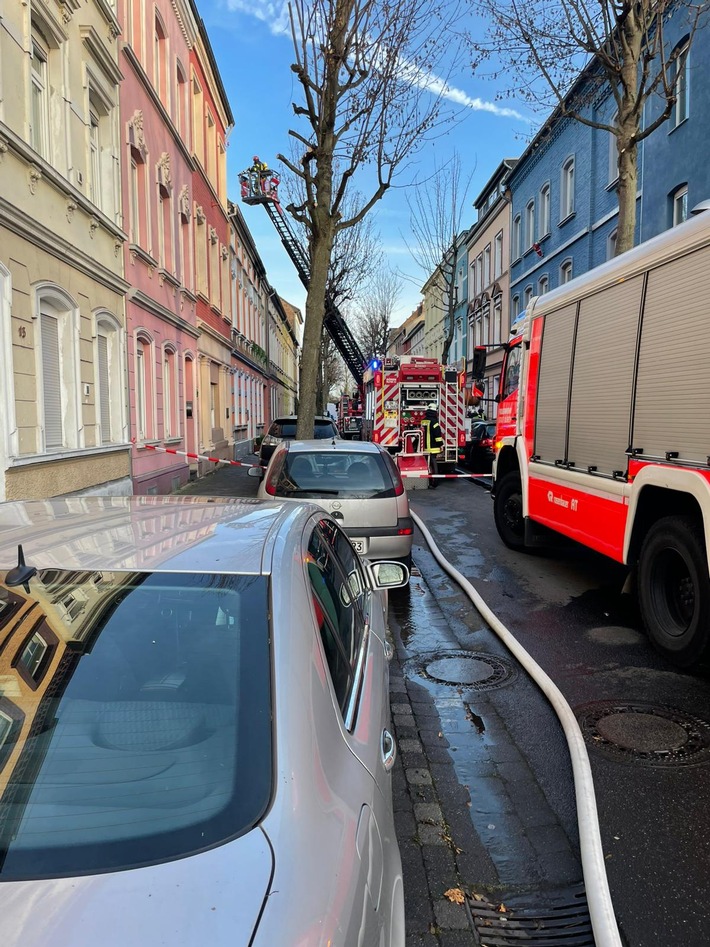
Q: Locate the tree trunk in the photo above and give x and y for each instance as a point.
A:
(626, 192)
(312, 333)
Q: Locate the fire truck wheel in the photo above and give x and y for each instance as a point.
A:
(674, 589)
(508, 511)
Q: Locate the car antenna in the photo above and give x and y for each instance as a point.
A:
(22, 573)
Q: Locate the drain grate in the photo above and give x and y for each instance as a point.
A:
(646, 733)
(559, 918)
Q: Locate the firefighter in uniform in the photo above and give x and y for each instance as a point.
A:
(433, 440)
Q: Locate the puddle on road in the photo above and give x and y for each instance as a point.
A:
(506, 800)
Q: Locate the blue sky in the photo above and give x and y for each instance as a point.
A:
(254, 54)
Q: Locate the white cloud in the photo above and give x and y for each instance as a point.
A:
(275, 14)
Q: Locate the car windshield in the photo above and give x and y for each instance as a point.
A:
(287, 429)
(134, 718)
(335, 473)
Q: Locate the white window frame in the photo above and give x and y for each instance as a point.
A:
(9, 435)
(54, 302)
(107, 326)
(39, 78)
(566, 271)
(529, 224)
(613, 156)
(171, 400)
(544, 214)
(527, 295)
(516, 306)
(516, 242)
(679, 203)
(681, 85)
(498, 255)
(567, 187)
(543, 285)
(144, 386)
(611, 244)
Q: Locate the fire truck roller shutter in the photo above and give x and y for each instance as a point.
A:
(603, 377)
(673, 389)
(553, 392)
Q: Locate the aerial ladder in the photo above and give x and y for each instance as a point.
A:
(260, 186)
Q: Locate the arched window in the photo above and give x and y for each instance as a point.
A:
(529, 224)
(516, 242)
(160, 60)
(58, 410)
(527, 296)
(565, 272)
(516, 306)
(544, 216)
(567, 189)
(611, 245)
(144, 387)
(171, 420)
(109, 362)
(543, 285)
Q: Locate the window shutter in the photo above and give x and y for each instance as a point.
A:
(104, 390)
(51, 378)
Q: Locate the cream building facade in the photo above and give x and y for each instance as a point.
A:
(64, 424)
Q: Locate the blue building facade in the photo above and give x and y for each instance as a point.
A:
(562, 190)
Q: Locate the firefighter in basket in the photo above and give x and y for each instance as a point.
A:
(433, 441)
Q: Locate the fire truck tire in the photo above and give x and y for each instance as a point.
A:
(508, 511)
(674, 589)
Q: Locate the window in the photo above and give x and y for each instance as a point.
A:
(170, 412)
(211, 156)
(516, 306)
(679, 204)
(109, 375)
(516, 237)
(33, 654)
(544, 216)
(543, 285)
(58, 409)
(567, 189)
(479, 272)
(474, 287)
(139, 217)
(94, 158)
(529, 224)
(565, 272)
(512, 372)
(201, 255)
(611, 245)
(198, 120)
(487, 266)
(498, 255)
(160, 61)
(527, 296)
(144, 388)
(182, 103)
(337, 585)
(680, 85)
(39, 129)
(613, 170)
(165, 229)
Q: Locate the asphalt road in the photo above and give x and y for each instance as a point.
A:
(646, 722)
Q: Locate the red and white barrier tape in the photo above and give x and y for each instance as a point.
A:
(239, 463)
(183, 453)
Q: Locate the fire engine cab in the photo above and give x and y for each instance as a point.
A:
(397, 392)
(350, 417)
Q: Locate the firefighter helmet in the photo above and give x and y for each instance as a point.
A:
(431, 406)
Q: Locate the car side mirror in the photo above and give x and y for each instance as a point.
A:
(255, 472)
(389, 575)
(497, 399)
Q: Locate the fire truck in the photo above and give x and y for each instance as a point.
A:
(350, 416)
(396, 394)
(603, 429)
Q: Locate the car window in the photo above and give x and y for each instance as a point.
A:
(324, 429)
(137, 728)
(283, 429)
(346, 474)
(336, 598)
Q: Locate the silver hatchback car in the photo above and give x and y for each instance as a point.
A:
(195, 742)
(357, 482)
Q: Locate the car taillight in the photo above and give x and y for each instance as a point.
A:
(405, 532)
(398, 486)
(270, 485)
(375, 437)
(486, 442)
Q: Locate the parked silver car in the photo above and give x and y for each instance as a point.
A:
(195, 742)
(358, 483)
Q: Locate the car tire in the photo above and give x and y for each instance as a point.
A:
(508, 511)
(674, 589)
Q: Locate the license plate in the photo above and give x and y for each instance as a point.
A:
(358, 545)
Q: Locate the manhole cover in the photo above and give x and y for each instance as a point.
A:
(466, 669)
(645, 732)
(560, 918)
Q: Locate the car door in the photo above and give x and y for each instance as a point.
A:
(357, 663)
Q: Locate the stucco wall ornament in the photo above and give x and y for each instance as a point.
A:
(93, 226)
(35, 176)
(200, 215)
(225, 253)
(184, 203)
(71, 208)
(164, 173)
(136, 135)
(213, 235)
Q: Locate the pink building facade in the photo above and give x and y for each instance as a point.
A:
(157, 194)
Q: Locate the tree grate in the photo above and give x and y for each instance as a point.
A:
(558, 919)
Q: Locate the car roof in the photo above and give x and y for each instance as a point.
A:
(324, 445)
(147, 533)
(294, 417)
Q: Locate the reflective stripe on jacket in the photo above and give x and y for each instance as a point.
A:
(433, 438)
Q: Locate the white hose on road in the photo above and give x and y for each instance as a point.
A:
(601, 909)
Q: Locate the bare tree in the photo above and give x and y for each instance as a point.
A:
(369, 100)
(541, 46)
(372, 323)
(436, 213)
(332, 373)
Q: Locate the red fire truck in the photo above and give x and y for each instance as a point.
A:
(350, 416)
(603, 429)
(397, 392)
